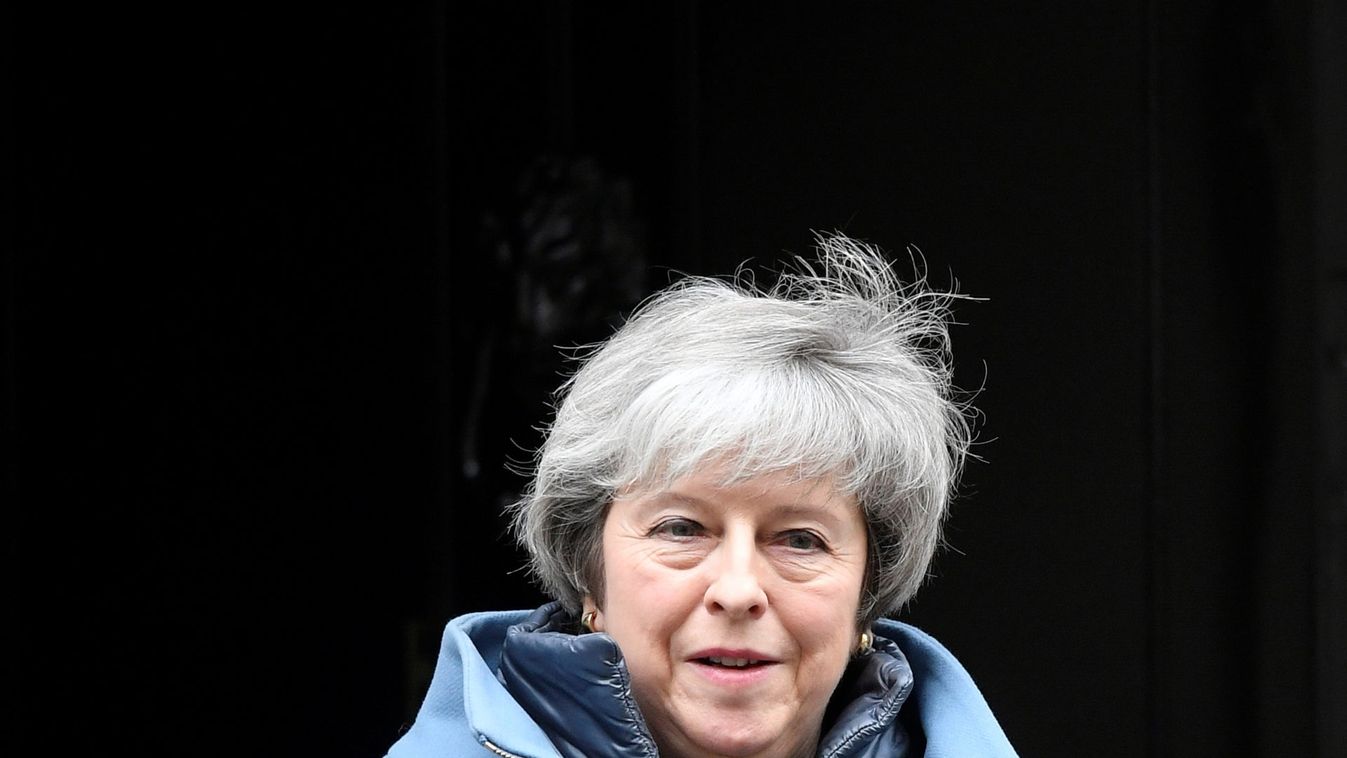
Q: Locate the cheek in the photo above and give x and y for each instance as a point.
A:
(643, 615)
(822, 623)
(822, 619)
(642, 599)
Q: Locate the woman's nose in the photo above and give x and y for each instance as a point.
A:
(735, 588)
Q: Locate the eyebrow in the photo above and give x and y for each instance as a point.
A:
(818, 510)
(655, 500)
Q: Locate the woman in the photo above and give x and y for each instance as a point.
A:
(736, 489)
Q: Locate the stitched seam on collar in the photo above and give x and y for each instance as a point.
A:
(870, 729)
(888, 714)
(634, 717)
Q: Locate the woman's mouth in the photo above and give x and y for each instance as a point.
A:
(734, 668)
(732, 660)
(727, 662)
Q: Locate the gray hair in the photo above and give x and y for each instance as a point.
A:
(838, 369)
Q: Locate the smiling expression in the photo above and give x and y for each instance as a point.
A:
(735, 607)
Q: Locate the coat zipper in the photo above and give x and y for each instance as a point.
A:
(498, 751)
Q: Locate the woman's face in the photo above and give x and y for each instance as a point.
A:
(700, 578)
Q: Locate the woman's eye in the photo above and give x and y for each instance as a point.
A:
(801, 540)
(679, 529)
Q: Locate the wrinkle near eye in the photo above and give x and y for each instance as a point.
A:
(661, 555)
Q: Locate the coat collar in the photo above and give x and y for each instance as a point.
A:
(577, 688)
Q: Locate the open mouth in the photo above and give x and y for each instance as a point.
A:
(732, 663)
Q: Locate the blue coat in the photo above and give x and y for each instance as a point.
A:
(520, 684)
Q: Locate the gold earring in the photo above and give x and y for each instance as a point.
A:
(587, 620)
(867, 642)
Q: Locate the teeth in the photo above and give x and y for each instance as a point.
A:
(736, 662)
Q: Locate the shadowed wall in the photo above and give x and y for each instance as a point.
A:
(284, 296)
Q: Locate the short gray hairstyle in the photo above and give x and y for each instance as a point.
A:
(839, 369)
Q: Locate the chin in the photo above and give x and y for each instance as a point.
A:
(740, 740)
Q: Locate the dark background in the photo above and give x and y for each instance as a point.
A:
(282, 289)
